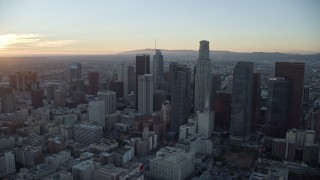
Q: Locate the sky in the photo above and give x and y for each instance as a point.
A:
(113, 26)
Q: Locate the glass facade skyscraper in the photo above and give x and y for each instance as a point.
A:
(203, 79)
(241, 100)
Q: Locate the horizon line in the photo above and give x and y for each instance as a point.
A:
(147, 49)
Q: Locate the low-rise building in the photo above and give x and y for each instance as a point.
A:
(172, 163)
(108, 171)
(123, 155)
(60, 175)
(28, 156)
(311, 153)
(300, 137)
(283, 148)
(278, 173)
(187, 129)
(41, 171)
(83, 170)
(87, 133)
(7, 142)
(7, 163)
(195, 143)
(59, 158)
(104, 146)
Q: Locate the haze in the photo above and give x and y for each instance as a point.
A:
(107, 27)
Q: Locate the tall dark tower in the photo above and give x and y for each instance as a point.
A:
(8, 100)
(294, 73)
(256, 92)
(277, 108)
(216, 86)
(75, 71)
(180, 95)
(142, 68)
(131, 79)
(158, 76)
(94, 82)
(222, 109)
(241, 101)
(37, 98)
(75, 77)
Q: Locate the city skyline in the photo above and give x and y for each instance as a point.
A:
(95, 27)
(100, 119)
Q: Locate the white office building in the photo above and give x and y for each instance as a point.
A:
(187, 129)
(7, 163)
(205, 123)
(300, 137)
(172, 163)
(97, 111)
(110, 100)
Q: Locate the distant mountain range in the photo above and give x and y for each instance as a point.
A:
(228, 55)
(179, 55)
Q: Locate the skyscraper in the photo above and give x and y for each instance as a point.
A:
(75, 77)
(25, 80)
(75, 71)
(158, 76)
(306, 94)
(145, 94)
(8, 100)
(170, 75)
(256, 92)
(117, 86)
(222, 109)
(277, 108)
(241, 100)
(37, 98)
(94, 82)
(142, 68)
(180, 95)
(131, 79)
(203, 79)
(110, 101)
(59, 98)
(159, 96)
(294, 73)
(97, 112)
(216, 86)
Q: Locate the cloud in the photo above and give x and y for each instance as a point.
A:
(11, 41)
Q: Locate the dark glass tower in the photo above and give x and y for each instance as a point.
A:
(241, 100)
(180, 95)
(37, 98)
(216, 86)
(256, 92)
(142, 68)
(94, 82)
(294, 73)
(277, 108)
(158, 75)
(8, 100)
